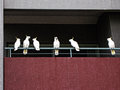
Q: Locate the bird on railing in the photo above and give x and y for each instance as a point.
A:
(111, 45)
(56, 45)
(17, 44)
(26, 44)
(74, 44)
(36, 44)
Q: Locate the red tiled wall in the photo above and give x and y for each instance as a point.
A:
(62, 73)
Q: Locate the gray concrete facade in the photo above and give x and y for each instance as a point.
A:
(1, 44)
(63, 4)
(109, 23)
(115, 4)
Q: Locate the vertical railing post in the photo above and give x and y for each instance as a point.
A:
(53, 55)
(70, 52)
(10, 52)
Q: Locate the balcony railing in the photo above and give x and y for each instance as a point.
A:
(97, 51)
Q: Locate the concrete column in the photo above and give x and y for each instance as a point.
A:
(1, 44)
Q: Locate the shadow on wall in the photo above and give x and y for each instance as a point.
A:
(84, 34)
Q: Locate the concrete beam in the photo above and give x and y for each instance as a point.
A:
(50, 19)
(60, 4)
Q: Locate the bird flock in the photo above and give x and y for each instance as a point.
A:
(56, 45)
(36, 44)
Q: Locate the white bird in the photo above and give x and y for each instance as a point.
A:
(17, 44)
(111, 45)
(36, 44)
(26, 44)
(74, 44)
(56, 45)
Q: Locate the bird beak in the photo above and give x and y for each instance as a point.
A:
(36, 37)
(72, 37)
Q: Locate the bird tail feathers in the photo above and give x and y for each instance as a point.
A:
(37, 49)
(25, 51)
(113, 52)
(77, 49)
(56, 52)
(15, 49)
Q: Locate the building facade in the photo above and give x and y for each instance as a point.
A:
(101, 15)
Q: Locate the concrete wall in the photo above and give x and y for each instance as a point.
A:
(115, 4)
(27, 73)
(50, 19)
(51, 16)
(62, 4)
(1, 44)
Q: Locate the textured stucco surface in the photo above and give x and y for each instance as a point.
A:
(62, 4)
(25, 73)
(1, 44)
(115, 4)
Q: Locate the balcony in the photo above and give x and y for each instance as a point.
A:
(62, 73)
(63, 52)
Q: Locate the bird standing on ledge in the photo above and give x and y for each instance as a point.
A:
(36, 44)
(74, 44)
(56, 45)
(17, 44)
(111, 45)
(26, 44)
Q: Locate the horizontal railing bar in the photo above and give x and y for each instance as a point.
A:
(95, 53)
(50, 48)
(69, 53)
(32, 53)
(65, 48)
(39, 53)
